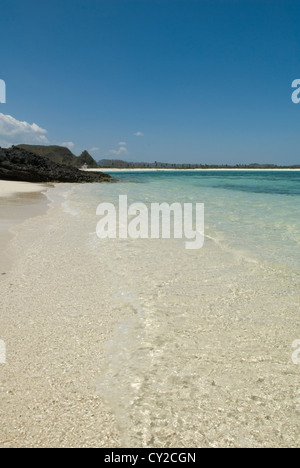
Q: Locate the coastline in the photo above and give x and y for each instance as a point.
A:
(108, 170)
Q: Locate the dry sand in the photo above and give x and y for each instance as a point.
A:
(11, 188)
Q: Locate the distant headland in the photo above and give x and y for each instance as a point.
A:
(46, 164)
(119, 164)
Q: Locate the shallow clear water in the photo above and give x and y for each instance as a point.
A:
(253, 212)
(202, 357)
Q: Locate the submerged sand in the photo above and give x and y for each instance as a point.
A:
(18, 202)
(54, 335)
(141, 344)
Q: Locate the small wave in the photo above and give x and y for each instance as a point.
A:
(67, 209)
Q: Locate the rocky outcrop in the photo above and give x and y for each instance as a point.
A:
(61, 155)
(86, 158)
(20, 165)
(57, 154)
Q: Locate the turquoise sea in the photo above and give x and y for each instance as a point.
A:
(255, 212)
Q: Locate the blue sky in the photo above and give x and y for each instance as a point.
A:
(201, 81)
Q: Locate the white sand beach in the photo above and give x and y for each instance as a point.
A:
(142, 344)
(54, 323)
(10, 188)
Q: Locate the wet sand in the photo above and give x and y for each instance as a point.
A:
(18, 202)
(54, 325)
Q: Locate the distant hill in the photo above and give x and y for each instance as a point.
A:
(86, 158)
(61, 155)
(114, 163)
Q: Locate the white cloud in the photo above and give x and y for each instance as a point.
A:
(138, 134)
(13, 132)
(121, 150)
(68, 144)
(94, 149)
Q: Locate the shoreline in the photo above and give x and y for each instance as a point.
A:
(12, 188)
(107, 170)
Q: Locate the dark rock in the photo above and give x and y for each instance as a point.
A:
(61, 155)
(20, 165)
(86, 158)
(57, 154)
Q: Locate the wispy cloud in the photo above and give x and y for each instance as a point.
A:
(13, 132)
(138, 134)
(94, 149)
(121, 150)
